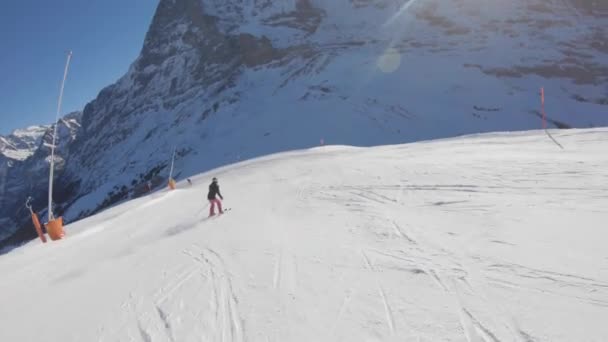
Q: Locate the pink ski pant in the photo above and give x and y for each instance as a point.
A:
(213, 203)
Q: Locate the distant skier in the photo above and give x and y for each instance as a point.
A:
(189, 181)
(214, 190)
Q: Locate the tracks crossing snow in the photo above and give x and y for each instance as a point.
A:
(387, 308)
(223, 300)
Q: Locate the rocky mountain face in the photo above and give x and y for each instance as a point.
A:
(227, 80)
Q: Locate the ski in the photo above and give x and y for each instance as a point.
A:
(216, 215)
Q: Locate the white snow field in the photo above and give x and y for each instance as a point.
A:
(499, 237)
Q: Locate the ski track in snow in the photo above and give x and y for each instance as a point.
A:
(387, 308)
(277, 271)
(224, 300)
(468, 320)
(165, 319)
(471, 326)
(345, 302)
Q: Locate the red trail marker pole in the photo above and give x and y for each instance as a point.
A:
(542, 107)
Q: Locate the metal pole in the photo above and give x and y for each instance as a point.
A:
(172, 163)
(51, 173)
(542, 107)
(542, 104)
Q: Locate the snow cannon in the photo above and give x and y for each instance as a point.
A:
(55, 229)
(172, 184)
(35, 220)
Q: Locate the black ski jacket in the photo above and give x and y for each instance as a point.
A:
(214, 189)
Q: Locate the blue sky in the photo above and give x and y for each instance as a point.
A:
(105, 35)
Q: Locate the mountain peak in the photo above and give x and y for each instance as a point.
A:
(22, 143)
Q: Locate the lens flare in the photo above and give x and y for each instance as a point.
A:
(390, 61)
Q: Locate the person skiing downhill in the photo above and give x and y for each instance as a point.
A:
(214, 190)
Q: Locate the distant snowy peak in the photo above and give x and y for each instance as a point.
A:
(30, 135)
(22, 143)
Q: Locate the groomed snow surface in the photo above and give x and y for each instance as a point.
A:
(496, 237)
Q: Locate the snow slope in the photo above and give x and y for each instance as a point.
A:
(496, 237)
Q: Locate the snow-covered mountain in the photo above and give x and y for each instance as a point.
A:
(498, 237)
(228, 80)
(22, 143)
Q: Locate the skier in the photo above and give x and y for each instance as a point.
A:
(214, 189)
(189, 181)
